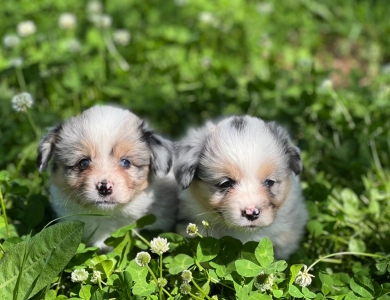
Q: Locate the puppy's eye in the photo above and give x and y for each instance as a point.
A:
(227, 183)
(125, 163)
(84, 163)
(269, 183)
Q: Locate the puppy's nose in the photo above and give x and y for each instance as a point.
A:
(251, 213)
(104, 187)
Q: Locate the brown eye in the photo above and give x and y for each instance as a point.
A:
(227, 183)
(84, 163)
(269, 183)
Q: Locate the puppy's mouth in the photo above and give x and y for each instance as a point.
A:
(105, 203)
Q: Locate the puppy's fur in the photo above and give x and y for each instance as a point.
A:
(107, 161)
(241, 176)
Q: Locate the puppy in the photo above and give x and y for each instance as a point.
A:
(107, 161)
(241, 176)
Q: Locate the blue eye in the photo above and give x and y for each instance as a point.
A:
(227, 183)
(125, 163)
(269, 183)
(84, 163)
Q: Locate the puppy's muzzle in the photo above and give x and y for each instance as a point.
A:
(104, 187)
(251, 213)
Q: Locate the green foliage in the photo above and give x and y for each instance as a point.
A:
(320, 68)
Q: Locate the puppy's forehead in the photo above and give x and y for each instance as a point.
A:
(244, 142)
(101, 129)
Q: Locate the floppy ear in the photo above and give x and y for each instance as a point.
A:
(187, 154)
(46, 147)
(162, 151)
(293, 152)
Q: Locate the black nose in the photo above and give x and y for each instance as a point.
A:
(251, 213)
(104, 188)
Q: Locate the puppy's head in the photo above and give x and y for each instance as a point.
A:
(104, 156)
(240, 169)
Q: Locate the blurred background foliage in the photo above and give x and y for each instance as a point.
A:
(320, 68)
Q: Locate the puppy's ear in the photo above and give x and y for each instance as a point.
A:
(293, 152)
(46, 147)
(187, 154)
(162, 151)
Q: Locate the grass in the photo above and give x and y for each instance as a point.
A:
(319, 68)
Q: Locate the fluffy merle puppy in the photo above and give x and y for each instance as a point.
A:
(107, 161)
(241, 176)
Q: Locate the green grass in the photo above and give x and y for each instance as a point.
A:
(320, 68)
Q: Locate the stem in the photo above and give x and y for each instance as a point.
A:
(114, 52)
(21, 81)
(2, 249)
(154, 276)
(161, 275)
(141, 238)
(2, 203)
(201, 236)
(344, 253)
(195, 297)
(58, 283)
(200, 290)
(166, 292)
(31, 121)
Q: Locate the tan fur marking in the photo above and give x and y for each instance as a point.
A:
(266, 170)
(232, 171)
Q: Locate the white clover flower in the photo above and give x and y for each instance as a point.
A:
(303, 278)
(73, 45)
(159, 245)
(192, 229)
(26, 28)
(79, 275)
(265, 8)
(22, 101)
(101, 21)
(327, 84)
(186, 275)
(185, 288)
(205, 224)
(94, 7)
(96, 276)
(121, 37)
(207, 18)
(67, 21)
(16, 62)
(162, 282)
(11, 41)
(142, 258)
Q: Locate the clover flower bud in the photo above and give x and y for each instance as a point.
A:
(79, 275)
(186, 275)
(159, 245)
(16, 62)
(101, 21)
(185, 288)
(192, 229)
(73, 45)
(205, 224)
(11, 41)
(94, 7)
(162, 282)
(303, 278)
(26, 28)
(142, 258)
(67, 21)
(22, 101)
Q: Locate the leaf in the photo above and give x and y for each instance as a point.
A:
(277, 266)
(137, 273)
(180, 263)
(355, 245)
(277, 293)
(85, 292)
(294, 291)
(307, 293)
(123, 230)
(4, 175)
(207, 249)
(97, 295)
(145, 221)
(294, 270)
(19, 190)
(62, 238)
(362, 285)
(106, 267)
(126, 283)
(264, 252)
(258, 296)
(247, 268)
(144, 288)
(327, 283)
(382, 266)
(315, 228)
